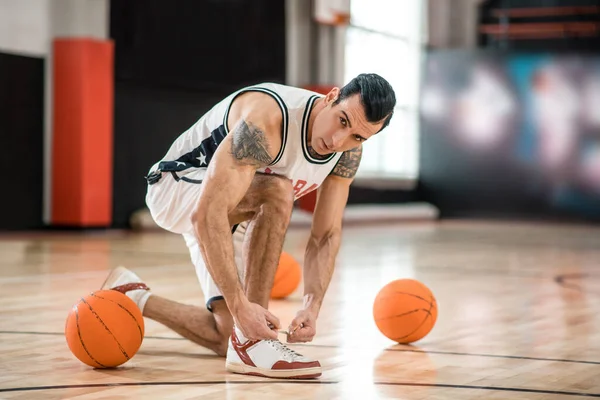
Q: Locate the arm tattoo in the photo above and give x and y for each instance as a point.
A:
(249, 145)
(348, 163)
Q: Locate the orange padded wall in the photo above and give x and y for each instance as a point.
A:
(82, 137)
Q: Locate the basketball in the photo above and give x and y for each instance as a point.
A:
(405, 310)
(287, 277)
(104, 329)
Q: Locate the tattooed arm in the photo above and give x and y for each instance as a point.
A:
(324, 243)
(253, 142)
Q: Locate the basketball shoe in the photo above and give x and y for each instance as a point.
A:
(269, 358)
(125, 281)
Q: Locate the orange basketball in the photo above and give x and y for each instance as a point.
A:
(405, 310)
(104, 329)
(287, 277)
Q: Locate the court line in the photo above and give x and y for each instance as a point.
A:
(497, 356)
(301, 382)
(450, 353)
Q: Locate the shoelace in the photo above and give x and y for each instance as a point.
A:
(287, 352)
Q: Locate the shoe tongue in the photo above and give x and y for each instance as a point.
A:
(282, 347)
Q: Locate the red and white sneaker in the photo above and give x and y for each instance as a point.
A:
(269, 358)
(125, 281)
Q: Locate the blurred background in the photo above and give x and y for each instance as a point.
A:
(496, 118)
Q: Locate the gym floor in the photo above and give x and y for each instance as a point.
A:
(518, 316)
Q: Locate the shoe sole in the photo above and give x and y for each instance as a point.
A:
(306, 373)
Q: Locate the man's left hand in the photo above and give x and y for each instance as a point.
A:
(303, 328)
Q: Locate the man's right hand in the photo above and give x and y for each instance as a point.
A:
(254, 321)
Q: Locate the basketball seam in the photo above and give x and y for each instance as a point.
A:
(81, 339)
(414, 295)
(429, 302)
(427, 315)
(107, 329)
(126, 310)
(404, 314)
(425, 319)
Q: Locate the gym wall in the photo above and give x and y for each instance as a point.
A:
(27, 30)
(508, 130)
(169, 67)
(174, 61)
(22, 138)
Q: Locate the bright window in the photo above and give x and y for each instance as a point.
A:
(385, 37)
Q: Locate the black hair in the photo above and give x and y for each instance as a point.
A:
(376, 96)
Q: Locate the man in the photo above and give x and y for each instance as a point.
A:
(228, 184)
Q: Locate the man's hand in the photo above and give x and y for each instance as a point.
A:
(254, 321)
(303, 328)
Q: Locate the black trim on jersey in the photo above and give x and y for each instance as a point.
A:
(211, 300)
(284, 112)
(153, 177)
(304, 135)
(184, 178)
(198, 158)
(190, 180)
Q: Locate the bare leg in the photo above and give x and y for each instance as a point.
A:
(268, 205)
(210, 330)
(264, 239)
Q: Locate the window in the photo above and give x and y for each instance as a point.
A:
(385, 37)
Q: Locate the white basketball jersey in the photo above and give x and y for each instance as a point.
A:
(195, 147)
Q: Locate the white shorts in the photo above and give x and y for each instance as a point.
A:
(172, 201)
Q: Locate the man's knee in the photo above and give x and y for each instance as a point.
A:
(277, 194)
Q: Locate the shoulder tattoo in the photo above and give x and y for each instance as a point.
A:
(348, 163)
(249, 145)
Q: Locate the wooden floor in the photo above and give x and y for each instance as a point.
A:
(519, 316)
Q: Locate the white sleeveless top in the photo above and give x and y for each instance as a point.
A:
(195, 147)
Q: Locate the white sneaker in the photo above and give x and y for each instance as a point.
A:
(125, 281)
(269, 358)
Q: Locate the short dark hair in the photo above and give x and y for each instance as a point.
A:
(376, 96)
